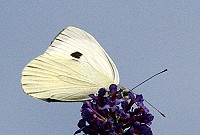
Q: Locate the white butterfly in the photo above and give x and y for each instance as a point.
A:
(74, 66)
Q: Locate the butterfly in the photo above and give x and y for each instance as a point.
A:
(74, 66)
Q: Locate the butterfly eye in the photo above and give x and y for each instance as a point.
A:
(76, 55)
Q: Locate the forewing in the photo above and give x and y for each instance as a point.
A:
(74, 40)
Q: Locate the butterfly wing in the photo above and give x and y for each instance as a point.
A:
(73, 66)
(74, 40)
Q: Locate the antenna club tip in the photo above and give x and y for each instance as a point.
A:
(164, 70)
(163, 114)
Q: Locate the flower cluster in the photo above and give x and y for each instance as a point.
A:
(112, 113)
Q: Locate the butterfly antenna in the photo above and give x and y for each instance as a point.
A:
(145, 99)
(155, 108)
(149, 79)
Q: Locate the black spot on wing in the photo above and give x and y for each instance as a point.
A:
(76, 54)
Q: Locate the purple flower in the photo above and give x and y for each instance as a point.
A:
(110, 114)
